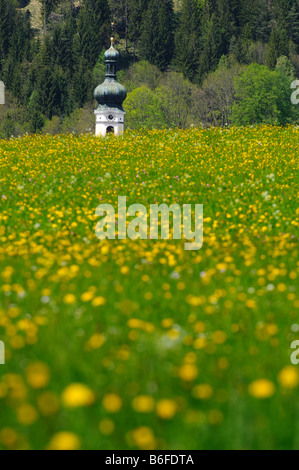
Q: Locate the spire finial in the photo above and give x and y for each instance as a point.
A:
(112, 29)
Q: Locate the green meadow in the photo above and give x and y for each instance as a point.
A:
(122, 344)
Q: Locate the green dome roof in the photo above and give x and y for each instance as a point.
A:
(111, 94)
(111, 54)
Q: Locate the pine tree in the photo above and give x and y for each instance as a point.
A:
(278, 46)
(236, 8)
(211, 50)
(81, 85)
(63, 39)
(93, 30)
(19, 44)
(156, 41)
(137, 9)
(226, 25)
(187, 39)
(136, 12)
(7, 15)
(261, 21)
(293, 24)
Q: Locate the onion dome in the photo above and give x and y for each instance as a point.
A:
(112, 53)
(110, 94)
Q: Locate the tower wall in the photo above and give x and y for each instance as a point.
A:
(103, 123)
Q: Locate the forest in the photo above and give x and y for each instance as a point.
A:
(186, 63)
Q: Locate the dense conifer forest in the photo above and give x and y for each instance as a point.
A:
(188, 62)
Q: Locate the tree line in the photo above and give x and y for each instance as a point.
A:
(200, 62)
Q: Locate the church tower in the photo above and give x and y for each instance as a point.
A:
(110, 95)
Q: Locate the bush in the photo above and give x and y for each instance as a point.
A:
(52, 126)
(144, 109)
(81, 121)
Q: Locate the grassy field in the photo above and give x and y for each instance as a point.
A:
(140, 344)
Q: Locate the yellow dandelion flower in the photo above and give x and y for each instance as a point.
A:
(18, 390)
(135, 323)
(69, 299)
(199, 327)
(200, 343)
(262, 388)
(190, 358)
(148, 296)
(173, 334)
(87, 296)
(37, 374)
(144, 438)
(64, 441)
(98, 301)
(167, 322)
(251, 304)
(96, 341)
(8, 437)
(219, 337)
(112, 403)
(17, 342)
(77, 395)
(202, 391)
(288, 377)
(166, 409)
(272, 329)
(188, 372)
(194, 301)
(143, 404)
(26, 414)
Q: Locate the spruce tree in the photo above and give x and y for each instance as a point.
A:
(7, 14)
(93, 30)
(137, 9)
(211, 50)
(226, 24)
(187, 39)
(19, 44)
(293, 24)
(156, 41)
(278, 46)
(262, 20)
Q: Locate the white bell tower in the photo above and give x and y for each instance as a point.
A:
(109, 122)
(110, 95)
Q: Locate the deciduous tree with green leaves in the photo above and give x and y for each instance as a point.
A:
(144, 109)
(262, 96)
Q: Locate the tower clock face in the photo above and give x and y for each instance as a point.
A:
(111, 117)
